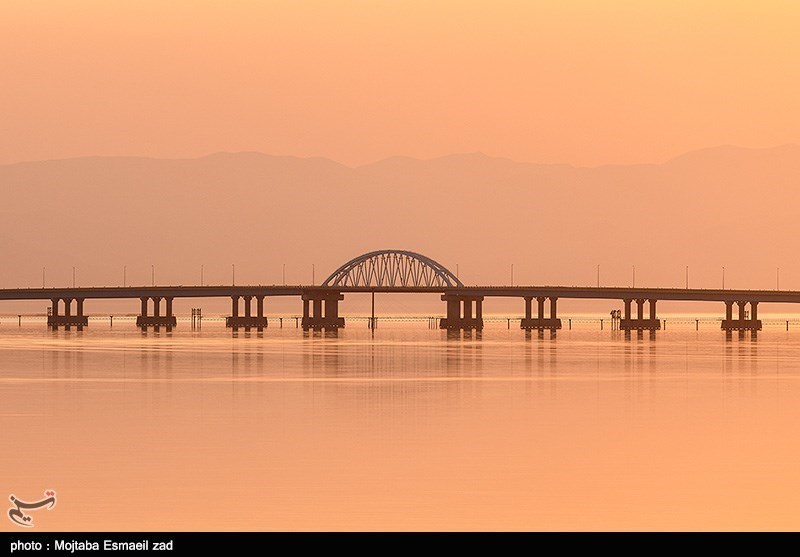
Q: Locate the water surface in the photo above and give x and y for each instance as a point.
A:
(404, 430)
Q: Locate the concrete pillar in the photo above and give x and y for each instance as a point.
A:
(247, 302)
(553, 307)
(55, 307)
(169, 306)
(156, 306)
(453, 309)
(331, 308)
(317, 308)
(467, 308)
(653, 309)
(540, 309)
(305, 309)
(79, 307)
(479, 308)
(235, 306)
(144, 307)
(67, 308)
(729, 311)
(640, 309)
(259, 306)
(741, 310)
(754, 311)
(627, 308)
(528, 301)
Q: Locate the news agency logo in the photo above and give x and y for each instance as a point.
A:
(17, 515)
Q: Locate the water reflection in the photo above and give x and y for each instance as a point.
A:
(405, 428)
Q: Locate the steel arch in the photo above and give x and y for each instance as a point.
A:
(390, 268)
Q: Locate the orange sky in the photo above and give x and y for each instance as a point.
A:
(583, 82)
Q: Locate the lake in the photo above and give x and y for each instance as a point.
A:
(404, 429)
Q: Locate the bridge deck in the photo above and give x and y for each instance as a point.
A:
(576, 292)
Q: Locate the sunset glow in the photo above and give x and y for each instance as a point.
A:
(579, 82)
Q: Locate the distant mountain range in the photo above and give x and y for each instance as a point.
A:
(724, 206)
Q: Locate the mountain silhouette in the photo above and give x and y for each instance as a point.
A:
(724, 206)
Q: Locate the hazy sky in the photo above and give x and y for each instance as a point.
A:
(585, 82)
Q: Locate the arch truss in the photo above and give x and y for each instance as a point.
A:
(392, 268)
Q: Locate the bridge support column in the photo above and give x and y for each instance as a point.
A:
(540, 322)
(248, 320)
(67, 320)
(456, 319)
(317, 320)
(332, 308)
(453, 310)
(157, 320)
(743, 323)
(627, 323)
(316, 306)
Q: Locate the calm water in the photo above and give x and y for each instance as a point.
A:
(408, 430)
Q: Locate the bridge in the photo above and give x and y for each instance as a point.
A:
(399, 271)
